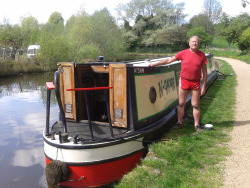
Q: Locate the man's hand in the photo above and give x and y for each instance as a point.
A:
(153, 64)
(203, 90)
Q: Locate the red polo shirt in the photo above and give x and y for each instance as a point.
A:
(191, 64)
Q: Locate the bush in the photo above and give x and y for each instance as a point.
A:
(205, 38)
(54, 49)
(244, 41)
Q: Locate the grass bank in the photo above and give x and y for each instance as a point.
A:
(185, 158)
(10, 68)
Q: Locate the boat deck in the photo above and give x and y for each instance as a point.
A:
(82, 129)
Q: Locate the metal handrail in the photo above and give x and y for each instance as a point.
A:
(59, 101)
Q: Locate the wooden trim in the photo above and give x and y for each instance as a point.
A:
(67, 80)
(100, 69)
(118, 95)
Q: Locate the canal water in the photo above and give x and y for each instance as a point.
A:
(22, 120)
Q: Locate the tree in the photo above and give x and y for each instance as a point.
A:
(94, 35)
(244, 41)
(78, 33)
(126, 25)
(17, 36)
(163, 8)
(10, 38)
(149, 19)
(226, 29)
(173, 36)
(106, 34)
(200, 20)
(55, 24)
(231, 28)
(213, 11)
(30, 30)
(205, 38)
(54, 49)
(56, 18)
(10, 33)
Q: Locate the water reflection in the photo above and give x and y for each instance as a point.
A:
(22, 102)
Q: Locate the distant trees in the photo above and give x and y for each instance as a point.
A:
(244, 41)
(54, 46)
(213, 11)
(205, 38)
(84, 36)
(94, 35)
(153, 24)
(29, 31)
(232, 28)
(144, 26)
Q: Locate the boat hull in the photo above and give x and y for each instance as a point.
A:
(94, 166)
(101, 173)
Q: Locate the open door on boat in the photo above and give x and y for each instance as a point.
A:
(67, 80)
(118, 95)
(74, 75)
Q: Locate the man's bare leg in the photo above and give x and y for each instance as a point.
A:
(195, 101)
(182, 102)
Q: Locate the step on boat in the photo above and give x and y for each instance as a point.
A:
(109, 113)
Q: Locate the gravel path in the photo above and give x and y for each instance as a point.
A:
(237, 169)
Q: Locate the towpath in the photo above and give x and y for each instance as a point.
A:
(237, 165)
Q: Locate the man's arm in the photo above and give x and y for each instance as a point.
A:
(163, 62)
(204, 73)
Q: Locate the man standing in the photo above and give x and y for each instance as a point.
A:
(193, 62)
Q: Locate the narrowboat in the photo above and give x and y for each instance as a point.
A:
(109, 113)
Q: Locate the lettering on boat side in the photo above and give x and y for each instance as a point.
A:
(166, 85)
(139, 70)
(161, 92)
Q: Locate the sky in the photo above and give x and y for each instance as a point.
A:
(14, 10)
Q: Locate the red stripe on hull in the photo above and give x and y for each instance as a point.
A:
(101, 174)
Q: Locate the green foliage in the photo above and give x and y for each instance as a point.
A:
(135, 8)
(201, 20)
(54, 49)
(94, 35)
(220, 43)
(171, 36)
(205, 38)
(149, 26)
(56, 18)
(244, 41)
(106, 35)
(154, 26)
(88, 51)
(29, 31)
(231, 28)
(10, 68)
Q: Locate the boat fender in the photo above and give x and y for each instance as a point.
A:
(56, 172)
